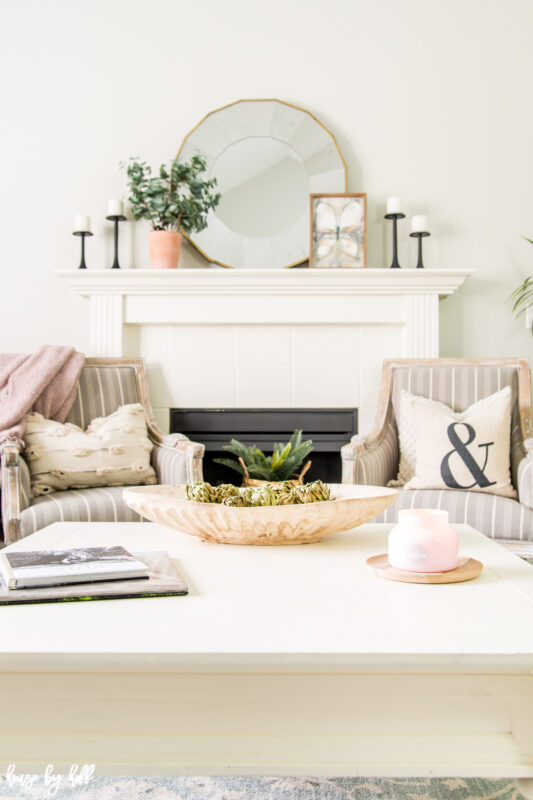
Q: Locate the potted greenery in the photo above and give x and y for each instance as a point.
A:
(176, 200)
(522, 297)
(257, 468)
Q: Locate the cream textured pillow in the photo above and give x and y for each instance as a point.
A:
(407, 441)
(113, 451)
(468, 450)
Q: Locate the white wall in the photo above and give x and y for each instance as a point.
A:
(429, 100)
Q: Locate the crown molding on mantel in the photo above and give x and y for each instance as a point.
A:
(441, 282)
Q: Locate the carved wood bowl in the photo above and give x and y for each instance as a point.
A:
(294, 524)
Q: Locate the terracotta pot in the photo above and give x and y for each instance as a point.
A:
(164, 249)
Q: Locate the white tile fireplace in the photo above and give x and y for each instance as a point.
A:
(215, 338)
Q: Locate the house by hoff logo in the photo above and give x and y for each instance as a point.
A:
(460, 449)
(78, 775)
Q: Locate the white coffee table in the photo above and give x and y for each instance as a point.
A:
(282, 660)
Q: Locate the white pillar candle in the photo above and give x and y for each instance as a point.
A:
(82, 223)
(393, 205)
(115, 208)
(419, 224)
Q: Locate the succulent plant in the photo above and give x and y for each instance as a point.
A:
(280, 466)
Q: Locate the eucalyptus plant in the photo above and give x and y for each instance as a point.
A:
(178, 198)
(522, 297)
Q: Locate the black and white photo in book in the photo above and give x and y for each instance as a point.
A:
(77, 565)
(77, 555)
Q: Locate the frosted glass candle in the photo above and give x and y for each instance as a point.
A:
(423, 541)
(115, 208)
(82, 223)
(419, 224)
(394, 205)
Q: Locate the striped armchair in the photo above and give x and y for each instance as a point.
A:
(104, 385)
(458, 383)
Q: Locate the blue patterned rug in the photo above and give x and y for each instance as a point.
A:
(105, 788)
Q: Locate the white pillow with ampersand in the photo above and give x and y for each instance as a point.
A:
(468, 451)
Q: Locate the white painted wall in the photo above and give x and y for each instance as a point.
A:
(429, 100)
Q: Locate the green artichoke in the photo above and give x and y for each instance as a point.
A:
(284, 493)
(314, 492)
(201, 492)
(224, 491)
(236, 500)
(267, 495)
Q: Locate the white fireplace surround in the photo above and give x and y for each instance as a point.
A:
(214, 338)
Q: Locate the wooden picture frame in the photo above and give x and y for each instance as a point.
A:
(338, 231)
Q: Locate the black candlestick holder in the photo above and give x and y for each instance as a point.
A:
(116, 218)
(395, 217)
(83, 234)
(420, 235)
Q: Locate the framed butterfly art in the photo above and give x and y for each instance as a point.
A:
(338, 231)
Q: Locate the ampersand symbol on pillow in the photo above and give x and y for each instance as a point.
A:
(460, 448)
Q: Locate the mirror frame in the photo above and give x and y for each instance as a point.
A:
(197, 247)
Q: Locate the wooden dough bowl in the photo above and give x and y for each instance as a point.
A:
(265, 525)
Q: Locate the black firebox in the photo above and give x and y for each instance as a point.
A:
(329, 428)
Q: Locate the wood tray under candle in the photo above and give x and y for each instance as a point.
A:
(468, 568)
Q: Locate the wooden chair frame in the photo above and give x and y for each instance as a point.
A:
(384, 409)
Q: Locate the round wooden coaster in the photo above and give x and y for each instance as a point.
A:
(468, 568)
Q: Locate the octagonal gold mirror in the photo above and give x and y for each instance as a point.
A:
(268, 156)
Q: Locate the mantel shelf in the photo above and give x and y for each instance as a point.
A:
(441, 282)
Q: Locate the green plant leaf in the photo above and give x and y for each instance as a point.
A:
(281, 465)
(260, 473)
(237, 449)
(228, 462)
(179, 197)
(522, 305)
(278, 457)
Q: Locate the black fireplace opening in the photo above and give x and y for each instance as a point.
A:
(329, 429)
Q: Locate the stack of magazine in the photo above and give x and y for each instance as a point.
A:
(86, 573)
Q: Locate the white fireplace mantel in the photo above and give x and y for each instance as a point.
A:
(196, 296)
(352, 318)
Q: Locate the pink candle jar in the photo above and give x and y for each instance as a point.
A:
(423, 541)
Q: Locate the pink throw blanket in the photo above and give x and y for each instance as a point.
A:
(44, 381)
